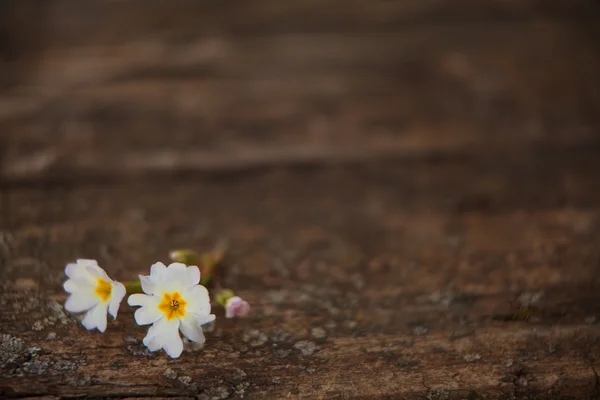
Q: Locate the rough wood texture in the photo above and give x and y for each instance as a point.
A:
(244, 85)
(410, 191)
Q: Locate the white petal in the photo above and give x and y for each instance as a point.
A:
(172, 342)
(192, 274)
(149, 312)
(198, 301)
(97, 272)
(192, 329)
(72, 285)
(176, 272)
(139, 299)
(176, 268)
(81, 300)
(148, 285)
(96, 318)
(157, 270)
(72, 269)
(78, 273)
(116, 296)
(206, 319)
(86, 262)
(151, 341)
(173, 279)
(165, 334)
(148, 315)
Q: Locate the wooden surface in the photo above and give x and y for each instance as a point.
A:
(409, 188)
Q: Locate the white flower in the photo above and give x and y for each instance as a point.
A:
(93, 291)
(236, 307)
(173, 301)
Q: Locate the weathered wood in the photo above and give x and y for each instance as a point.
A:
(425, 278)
(309, 82)
(409, 188)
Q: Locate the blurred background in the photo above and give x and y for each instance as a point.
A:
(129, 87)
(382, 169)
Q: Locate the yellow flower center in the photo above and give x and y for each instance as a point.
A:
(172, 305)
(103, 289)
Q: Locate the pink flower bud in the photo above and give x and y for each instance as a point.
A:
(236, 307)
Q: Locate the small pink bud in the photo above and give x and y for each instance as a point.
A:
(236, 307)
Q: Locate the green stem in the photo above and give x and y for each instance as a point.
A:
(133, 287)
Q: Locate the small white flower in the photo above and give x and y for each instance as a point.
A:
(236, 307)
(93, 291)
(173, 301)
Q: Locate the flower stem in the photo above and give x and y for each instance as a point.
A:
(133, 287)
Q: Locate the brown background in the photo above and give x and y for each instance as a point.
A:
(409, 188)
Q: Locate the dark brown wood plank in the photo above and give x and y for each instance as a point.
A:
(409, 190)
(443, 82)
(437, 279)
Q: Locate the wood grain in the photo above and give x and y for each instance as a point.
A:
(426, 77)
(434, 279)
(409, 190)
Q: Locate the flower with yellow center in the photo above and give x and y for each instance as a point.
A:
(173, 301)
(90, 289)
(172, 305)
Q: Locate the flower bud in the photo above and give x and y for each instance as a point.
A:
(223, 296)
(236, 307)
(185, 256)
